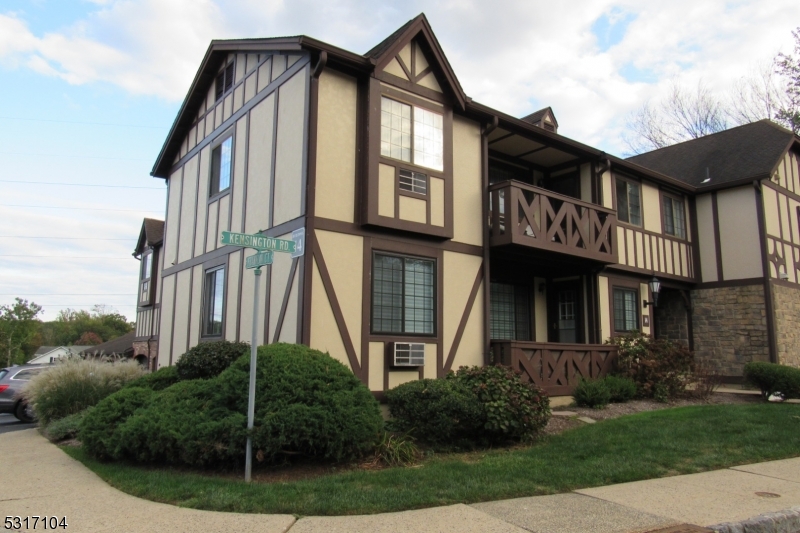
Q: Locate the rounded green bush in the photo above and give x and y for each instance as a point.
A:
(158, 380)
(99, 428)
(209, 359)
(307, 403)
(514, 409)
(772, 378)
(592, 393)
(621, 389)
(437, 411)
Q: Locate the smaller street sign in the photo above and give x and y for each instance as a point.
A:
(258, 260)
(299, 238)
(259, 242)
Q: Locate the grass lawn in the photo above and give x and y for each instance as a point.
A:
(641, 446)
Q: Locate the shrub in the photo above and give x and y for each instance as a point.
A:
(443, 413)
(158, 380)
(307, 403)
(654, 364)
(65, 428)
(707, 380)
(773, 378)
(593, 393)
(209, 359)
(515, 409)
(621, 389)
(72, 386)
(99, 429)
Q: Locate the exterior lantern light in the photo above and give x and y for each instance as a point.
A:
(655, 288)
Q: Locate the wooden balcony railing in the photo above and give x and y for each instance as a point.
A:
(531, 216)
(555, 367)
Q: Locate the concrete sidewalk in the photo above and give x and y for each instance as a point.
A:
(36, 478)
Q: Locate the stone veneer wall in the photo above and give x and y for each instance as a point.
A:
(730, 327)
(671, 317)
(786, 301)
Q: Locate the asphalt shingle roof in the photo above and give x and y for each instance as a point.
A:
(748, 151)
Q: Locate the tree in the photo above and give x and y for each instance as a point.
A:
(757, 96)
(683, 115)
(71, 325)
(18, 325)
(89, 338)
(788, 68)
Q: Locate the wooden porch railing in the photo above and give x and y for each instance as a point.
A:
(532, 216)
(555, 367)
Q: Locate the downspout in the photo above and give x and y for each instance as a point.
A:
(487, 130)
(768, 303)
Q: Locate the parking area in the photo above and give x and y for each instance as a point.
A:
(9, 423)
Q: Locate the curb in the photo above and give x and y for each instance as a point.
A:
(787, 521)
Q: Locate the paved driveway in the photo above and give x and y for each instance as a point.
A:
(9, 423)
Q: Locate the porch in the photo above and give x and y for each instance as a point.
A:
(555, 367)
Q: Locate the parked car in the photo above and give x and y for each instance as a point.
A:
(12, 380)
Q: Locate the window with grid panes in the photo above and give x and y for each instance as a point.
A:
(626, 311)
(674, 217)
(629, 202)
(224, 81)
(401, 124)
(510, 312)
(403, 295)
(221, 166)
(413, 181)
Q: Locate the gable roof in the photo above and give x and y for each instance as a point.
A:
(152, 234)
(739, 154)
(44, 349)
(119, 346)
(536, 116)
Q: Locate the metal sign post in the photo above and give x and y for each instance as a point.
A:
(265, 245)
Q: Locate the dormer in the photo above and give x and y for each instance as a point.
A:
(544, 118)
(147, 247)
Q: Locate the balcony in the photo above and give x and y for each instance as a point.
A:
(521, 214)
(553, 367)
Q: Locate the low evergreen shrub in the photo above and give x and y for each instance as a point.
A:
(621, 389)
(99, 430)
(443, 413)
(771, 378)
(593, 393)
(75, 384)
(209, 359)
(65, 428)
(158, 380)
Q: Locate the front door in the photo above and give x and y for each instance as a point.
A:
(564, 312)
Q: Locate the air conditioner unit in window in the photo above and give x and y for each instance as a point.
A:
(408, 354)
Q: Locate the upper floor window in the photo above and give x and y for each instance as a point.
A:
(510, 312)
(674, 217)
(147, 274)
(412, 134)
(221, 166)
(403, 295)
(626, 312)
(224, 81)
(213, 302)
(629, 202)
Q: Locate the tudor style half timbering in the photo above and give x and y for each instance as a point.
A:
(441, 232)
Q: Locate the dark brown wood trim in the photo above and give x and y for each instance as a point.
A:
(172, 329)
(697, 271)
(625, 269)
(405, 67)
(180, 212)
(274, 157)
(366, 309)
(729, 283)
(427, 70)
(196, 203)
(285, 302)
(768, 303)
(616, 281)
(463, 323)
(717, 242)
(239, 296)
(411, 87)
(412, 100)
(486, 254)
(189, 310)
(276, 231)
(329, 224)
(316, 252)
(267, 301)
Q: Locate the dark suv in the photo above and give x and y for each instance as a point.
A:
(12, 380)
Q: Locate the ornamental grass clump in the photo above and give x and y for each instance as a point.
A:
(75, 384)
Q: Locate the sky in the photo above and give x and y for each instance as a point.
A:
(90, 88)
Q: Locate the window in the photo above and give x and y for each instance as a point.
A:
(510, 312)
(213, 302)
(403, 295)
(418, 141)
(626, 310)
(26, 375)
(224, 81)
(221, 166)
(147, 274)
(674, 219)
(413, 181)
(629, 204)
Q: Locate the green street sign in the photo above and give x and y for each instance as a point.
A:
(258, 260)
(259, 242)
